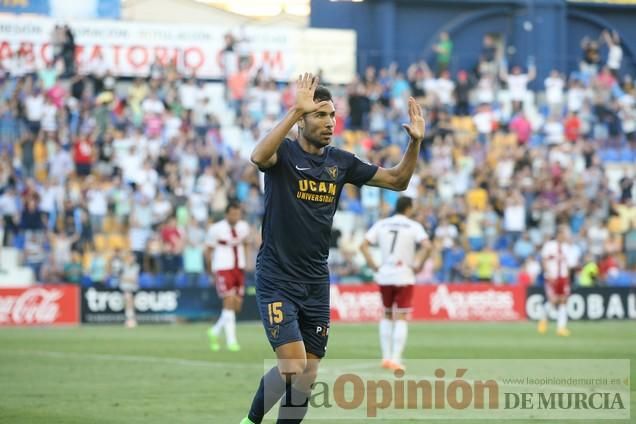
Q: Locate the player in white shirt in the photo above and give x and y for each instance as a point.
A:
(227, 250)
(403, 245)
(557, 257)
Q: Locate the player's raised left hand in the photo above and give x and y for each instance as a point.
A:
(416, 127)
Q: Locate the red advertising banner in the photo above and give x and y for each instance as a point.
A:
(456, 302)
(356, 303)
(470, 302)
(40, 305)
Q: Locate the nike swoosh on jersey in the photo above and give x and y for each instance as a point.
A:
(302, 169)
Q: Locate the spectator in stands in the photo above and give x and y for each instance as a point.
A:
(446, 235)
(10, 214)
(237, 84)
(97, 204)
(554, 86)
(483, 265)
(34, 254)
(524, 248)
(61, 242)
(615, 51)
(83, 155)
(554, 131)
(57, 41)
(193, 262)
(98, 266)
(153, 254)
(359, 107)
(518, 82)
(491, 225)
(444, 89)
(608, 267)
(589, 273)
(572, 127)
(453, 264)
(68, 52)
(626, 188)
(32, 219)
(73, 270)
(484, 121)
(487, 65)
(629, 244)
(589, 65)
(474, 229)
(521, 127)
(173, 243)
(462, 94)
(627, 114)
(444, 50)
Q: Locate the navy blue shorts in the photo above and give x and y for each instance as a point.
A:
(293, 311)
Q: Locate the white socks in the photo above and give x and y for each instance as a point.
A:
(393, 339)
(220, 323)
(227, 323)
(386, 330)
(562, 317)
(400, 332)
(230, 326)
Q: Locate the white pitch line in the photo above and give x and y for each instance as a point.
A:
(133, 358)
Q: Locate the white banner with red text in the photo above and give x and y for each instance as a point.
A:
(453, 302)
(40, 305)
(129, 48)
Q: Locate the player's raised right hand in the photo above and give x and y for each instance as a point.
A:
(305, 89)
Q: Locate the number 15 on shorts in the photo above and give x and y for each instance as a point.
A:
(275, 312)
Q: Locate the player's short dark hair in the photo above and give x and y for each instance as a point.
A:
(322, 93)
(233, 204)
(403, 203)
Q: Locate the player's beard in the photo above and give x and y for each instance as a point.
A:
(318, 140)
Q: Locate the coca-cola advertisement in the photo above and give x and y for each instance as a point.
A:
(40, 305)
(456, 302)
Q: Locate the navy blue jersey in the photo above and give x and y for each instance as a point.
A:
(301, 198)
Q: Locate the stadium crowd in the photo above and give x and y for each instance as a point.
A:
(93, 166)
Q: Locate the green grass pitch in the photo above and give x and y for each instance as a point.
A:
(166, 374)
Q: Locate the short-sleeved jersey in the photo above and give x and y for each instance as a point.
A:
(301, 198)
(557, 259)
(229, 245)
(398, 238)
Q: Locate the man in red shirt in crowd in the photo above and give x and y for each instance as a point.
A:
(171, 236)
(83, 156)
(173, 248)
(572, 127)
(607, 266)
